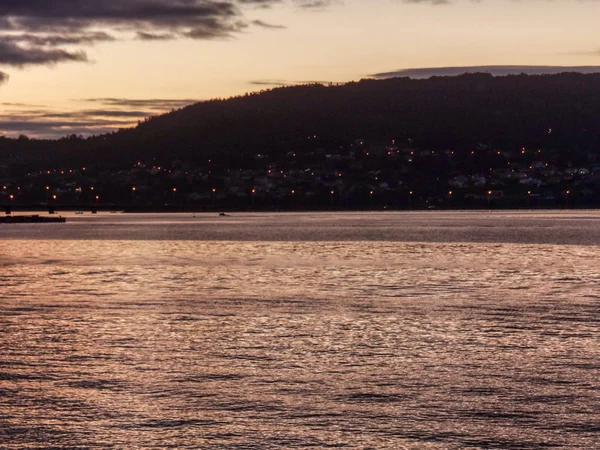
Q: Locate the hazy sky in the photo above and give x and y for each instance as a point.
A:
(75, 66)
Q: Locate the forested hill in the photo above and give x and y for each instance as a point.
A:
(551, 111)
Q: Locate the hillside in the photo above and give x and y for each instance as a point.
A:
(440, 112)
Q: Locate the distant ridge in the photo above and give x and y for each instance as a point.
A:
(497, 71)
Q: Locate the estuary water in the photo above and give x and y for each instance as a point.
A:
(436, 330)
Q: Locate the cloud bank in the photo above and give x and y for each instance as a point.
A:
(422, 73)
(98, 116)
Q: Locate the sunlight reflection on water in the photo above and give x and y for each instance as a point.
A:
(159, 343)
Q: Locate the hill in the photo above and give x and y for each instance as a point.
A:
(440, 112)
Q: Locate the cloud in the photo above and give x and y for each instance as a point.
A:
(55, 128)
(3, 77)
(314, 4)
(428, 72)
(106, 115)
(145, 36)
(269, 83)
(42, 32)
(178, 17)
(260, 23)
(88, 38)
(12, 54)
(149, 104)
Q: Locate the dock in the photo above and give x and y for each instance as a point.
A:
(32, 219)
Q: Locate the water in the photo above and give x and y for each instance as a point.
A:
(416, 331)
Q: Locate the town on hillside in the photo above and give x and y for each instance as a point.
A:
(359, 175)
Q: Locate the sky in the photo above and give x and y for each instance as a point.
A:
(92, 66)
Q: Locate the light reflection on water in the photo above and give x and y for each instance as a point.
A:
(255, 344)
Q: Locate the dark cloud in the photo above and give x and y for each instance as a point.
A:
(260, 23)
(181, 17)
(493, 70)
(3, 78)
(144, 36)
(273, 83)
(107, 114)
(12, 54)
(53, 40)
(53, 128)
(315, 4)
(44, 32)
(159, 104)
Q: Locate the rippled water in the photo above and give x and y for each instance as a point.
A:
(434, 331)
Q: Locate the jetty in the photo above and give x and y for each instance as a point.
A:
(32, 219)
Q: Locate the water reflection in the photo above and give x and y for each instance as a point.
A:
(191, 344)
